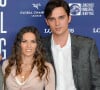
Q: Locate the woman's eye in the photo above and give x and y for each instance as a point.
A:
(23, 41)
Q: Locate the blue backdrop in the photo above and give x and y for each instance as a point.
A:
(14, 14)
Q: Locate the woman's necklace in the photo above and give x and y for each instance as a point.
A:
(22, 78)
(26, 67)
(26, 70)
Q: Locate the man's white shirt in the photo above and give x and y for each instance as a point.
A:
(63, 65)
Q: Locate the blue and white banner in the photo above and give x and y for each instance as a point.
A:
(15, 14)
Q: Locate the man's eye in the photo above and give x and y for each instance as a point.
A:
(50, 19)
(62, 17)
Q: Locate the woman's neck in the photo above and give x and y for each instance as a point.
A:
(27, 60)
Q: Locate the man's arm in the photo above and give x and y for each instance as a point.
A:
(95, 67)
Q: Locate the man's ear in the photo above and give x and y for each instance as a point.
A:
(46, 21)
(69, 19)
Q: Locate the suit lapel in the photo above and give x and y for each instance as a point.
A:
(48, 45)
(75, 59)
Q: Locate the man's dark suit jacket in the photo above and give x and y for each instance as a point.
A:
(86, 69)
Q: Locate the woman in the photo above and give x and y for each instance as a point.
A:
(26, 68)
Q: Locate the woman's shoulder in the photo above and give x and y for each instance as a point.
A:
(49, 65)
(4, 65)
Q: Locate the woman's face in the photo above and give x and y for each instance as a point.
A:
(28, 44)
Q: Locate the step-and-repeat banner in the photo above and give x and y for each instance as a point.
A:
(15, 14)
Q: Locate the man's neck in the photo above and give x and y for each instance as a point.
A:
(61, 39)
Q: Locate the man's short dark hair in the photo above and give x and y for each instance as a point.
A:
(52, 4)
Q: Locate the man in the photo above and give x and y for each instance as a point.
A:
(1, 75)
(74, 57)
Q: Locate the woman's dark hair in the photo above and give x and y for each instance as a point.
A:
(16, 59)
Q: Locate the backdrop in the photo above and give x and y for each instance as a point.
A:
(15, 14)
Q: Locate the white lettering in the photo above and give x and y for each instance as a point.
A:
(1, 23)
(96, 30)
(3, 3)
(2, 45)
(47, 31)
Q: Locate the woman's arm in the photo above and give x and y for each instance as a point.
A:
(50, 84)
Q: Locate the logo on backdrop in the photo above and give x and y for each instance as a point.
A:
(96, 30)
(48, 31)
(81, 9)
(36, 5)
(72, 30)
(3, 4)
(35, 12)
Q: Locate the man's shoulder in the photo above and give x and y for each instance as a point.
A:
(82, 41)
(80, 38)
(46, 39)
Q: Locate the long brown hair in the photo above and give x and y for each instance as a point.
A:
(39, 56)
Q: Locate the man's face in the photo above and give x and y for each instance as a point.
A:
(58, 21)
